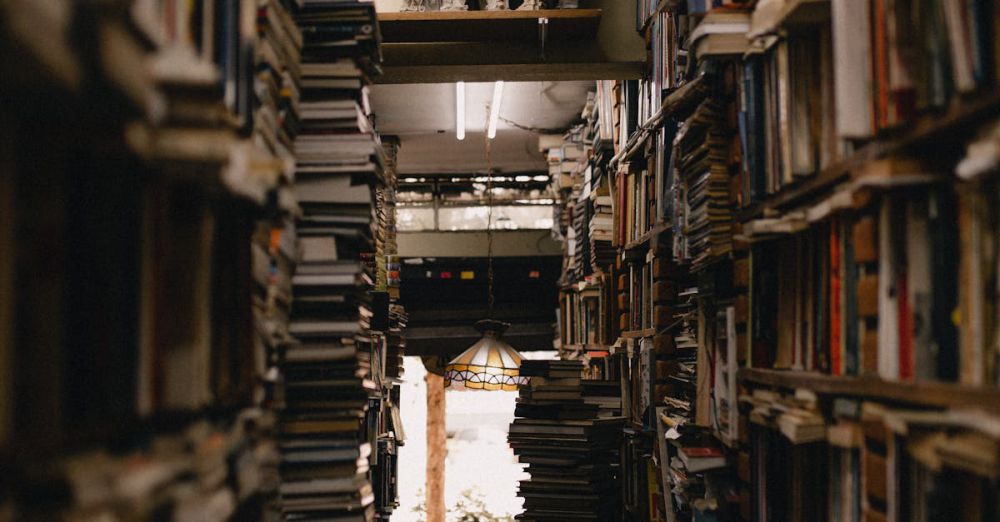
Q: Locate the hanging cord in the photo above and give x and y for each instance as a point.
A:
(489, 223)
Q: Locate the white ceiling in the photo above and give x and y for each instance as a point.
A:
(423, 116)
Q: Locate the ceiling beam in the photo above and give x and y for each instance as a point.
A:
(516, 243)
(449, 341)
(523, 72)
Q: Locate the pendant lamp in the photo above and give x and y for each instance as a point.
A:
(489, 364)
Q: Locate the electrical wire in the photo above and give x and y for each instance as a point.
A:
(489, 223)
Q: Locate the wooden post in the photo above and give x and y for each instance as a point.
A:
(436, 448)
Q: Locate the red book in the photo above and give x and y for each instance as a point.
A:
(836, 349)
(702, 452)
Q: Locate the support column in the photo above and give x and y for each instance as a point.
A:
(436, 448)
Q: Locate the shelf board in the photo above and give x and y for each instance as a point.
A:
(586, 347)
(644, 240)
(488, 26)
(637, 334)
(429, 70)
(955, 123)
(928, 394)
(794, 12)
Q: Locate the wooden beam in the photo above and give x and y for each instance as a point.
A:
(436, 448)
(515, 243)
(425, 317)
(478, 26)
(525, 72)
(449, 341)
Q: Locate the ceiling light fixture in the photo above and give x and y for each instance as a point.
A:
(460, 110)
(495, 109)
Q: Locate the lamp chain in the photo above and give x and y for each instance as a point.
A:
(489, 224)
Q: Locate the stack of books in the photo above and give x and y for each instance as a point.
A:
(396, 341)
(581, 220)
(275, 101)
(701, 161)
(601, 227)
(278, 80)
(605, 394)
(566, 160)
(571, 454)
(332, 372)
(327, 383)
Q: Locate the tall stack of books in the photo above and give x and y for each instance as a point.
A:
(605, 394)
(581, 224)
(278, 80)
(333, 372)
(327, 382)
(601, 227)
(397, 342)
(571, 453)
(702, 156)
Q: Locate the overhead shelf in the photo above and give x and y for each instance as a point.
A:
(482, 46)
(488, 26)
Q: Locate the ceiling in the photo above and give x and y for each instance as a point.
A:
(423, 116)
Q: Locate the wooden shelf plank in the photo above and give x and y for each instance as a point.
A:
(793, 12)
(398, 72)
(484, 26)
(643, 240)
(928, 394)
(636, 334)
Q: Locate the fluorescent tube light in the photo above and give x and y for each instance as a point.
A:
(460, 110)
(495, 109)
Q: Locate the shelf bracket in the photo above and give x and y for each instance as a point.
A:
(543, 34)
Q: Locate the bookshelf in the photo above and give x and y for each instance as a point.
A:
(951, 125)
(148, 335)
(822, 255)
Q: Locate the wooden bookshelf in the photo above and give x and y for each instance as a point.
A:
(953, 124)
(928, 394)
(488, 26)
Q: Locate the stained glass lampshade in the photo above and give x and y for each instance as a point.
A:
(489, 364)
